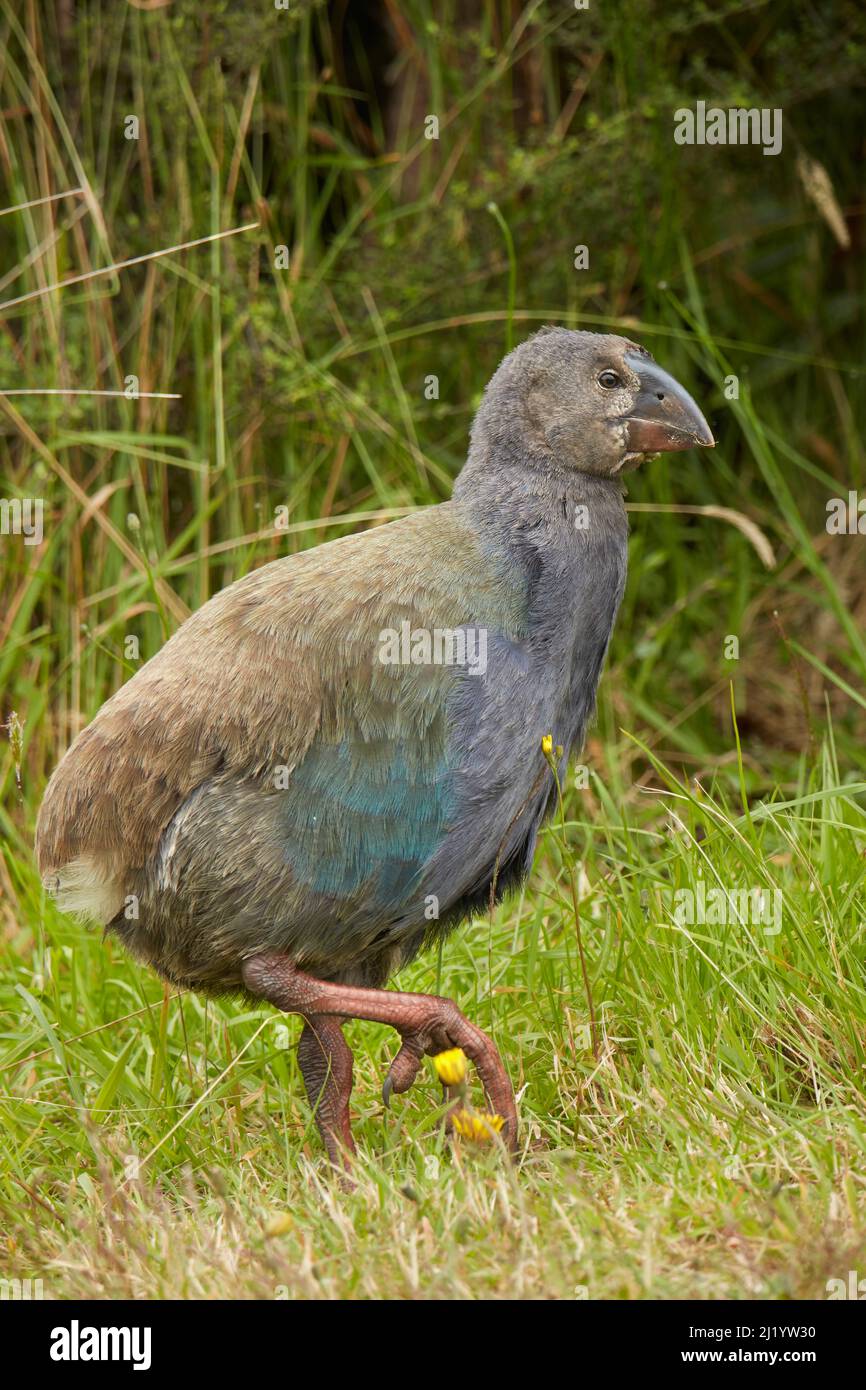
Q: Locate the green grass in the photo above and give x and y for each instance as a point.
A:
(712, 1145)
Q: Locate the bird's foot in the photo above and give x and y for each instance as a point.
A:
(426, 1024)
(445, 1028)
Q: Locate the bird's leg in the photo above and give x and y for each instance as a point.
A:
(426, 1024)
(325, 1059)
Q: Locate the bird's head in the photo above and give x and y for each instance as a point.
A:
(585, 402)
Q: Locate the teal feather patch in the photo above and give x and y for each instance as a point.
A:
(366, 814)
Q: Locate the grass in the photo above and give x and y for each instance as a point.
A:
(711, 1145)
(713, 1148)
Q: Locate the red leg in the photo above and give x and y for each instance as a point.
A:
(325, 1059)
(426, 1023)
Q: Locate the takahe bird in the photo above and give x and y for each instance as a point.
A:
(332, 761)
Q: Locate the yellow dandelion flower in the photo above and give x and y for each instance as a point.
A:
(279, 1225)
(477, 1127)
(451, 1066)
(547, 744)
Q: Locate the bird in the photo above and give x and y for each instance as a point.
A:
(345, 753)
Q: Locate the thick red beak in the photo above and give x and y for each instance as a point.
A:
(664, 416)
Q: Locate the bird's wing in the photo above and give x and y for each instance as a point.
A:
(278, 681)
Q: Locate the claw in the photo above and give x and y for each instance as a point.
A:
(497, 1089)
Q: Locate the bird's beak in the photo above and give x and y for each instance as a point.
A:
(664, 417)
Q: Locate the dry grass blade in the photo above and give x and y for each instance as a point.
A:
(743, 523)
(124, 265)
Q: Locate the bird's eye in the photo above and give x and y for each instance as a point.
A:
(608, 380)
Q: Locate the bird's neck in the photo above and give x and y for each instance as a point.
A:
(563, 539)
(555, 525)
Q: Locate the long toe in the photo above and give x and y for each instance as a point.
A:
(451, 1029)
(482, 1052)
